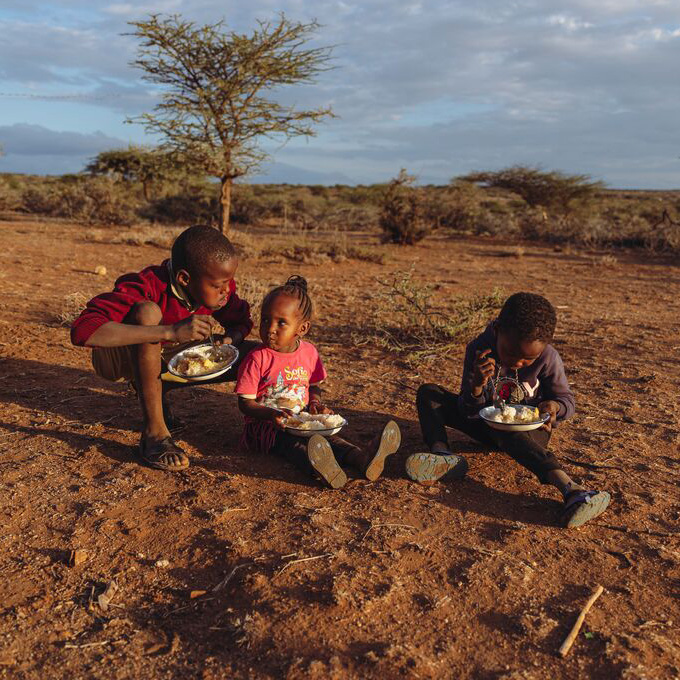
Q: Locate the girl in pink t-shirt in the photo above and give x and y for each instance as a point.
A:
(285, 373)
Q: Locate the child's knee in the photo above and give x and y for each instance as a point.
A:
(425, 392)
(146, 313)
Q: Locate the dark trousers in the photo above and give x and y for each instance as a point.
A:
(437, 408)
(294, 450)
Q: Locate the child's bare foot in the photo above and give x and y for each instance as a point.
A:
(387, 444)
(582, 506)
(429, 467)
(163, 454)
(323, 461)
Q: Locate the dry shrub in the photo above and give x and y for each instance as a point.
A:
(458, 208)
(10, 194)
(407, 320)
(161, 237)
(72, 305)
(299, 245)
(402, 214)
(247, 245)
(92, 200)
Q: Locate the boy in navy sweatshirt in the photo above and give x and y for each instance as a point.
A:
(513, 359)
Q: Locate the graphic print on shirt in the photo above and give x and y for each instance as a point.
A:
(515, 392)
(289, 390)
(510, 390)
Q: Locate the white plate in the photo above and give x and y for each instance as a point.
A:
(324, 433)
(486, 412)
(202, 349)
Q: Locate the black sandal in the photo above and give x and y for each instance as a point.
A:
(161, 454)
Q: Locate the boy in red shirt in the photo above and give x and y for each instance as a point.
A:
(145, 320)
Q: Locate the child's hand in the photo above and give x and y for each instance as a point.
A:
(316, 407)
(482, 370)
(280, 416)
(551, 407)
(196, 327)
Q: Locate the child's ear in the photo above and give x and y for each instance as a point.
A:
(183, 277)
(304, 329)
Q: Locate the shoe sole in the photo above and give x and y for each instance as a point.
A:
(430, 467)
(587, 511)
(390, 441)
(323, 461)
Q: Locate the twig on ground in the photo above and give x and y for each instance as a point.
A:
(569, 640)
(302, 559)
(95, 644)
(223, 583)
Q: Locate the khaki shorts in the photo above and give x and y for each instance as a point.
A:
(117, 363)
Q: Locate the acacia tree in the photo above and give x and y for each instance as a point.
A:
(216, 91)
(552, 190)
(138, 164)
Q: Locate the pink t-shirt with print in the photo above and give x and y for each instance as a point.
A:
(280, 378)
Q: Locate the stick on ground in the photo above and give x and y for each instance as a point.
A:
(569, 640)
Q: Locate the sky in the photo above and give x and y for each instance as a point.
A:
(439, 87)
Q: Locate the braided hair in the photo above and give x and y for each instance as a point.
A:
(296, 287)
(530, 316)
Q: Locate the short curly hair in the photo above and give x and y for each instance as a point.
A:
(195, 246)
(529, 315)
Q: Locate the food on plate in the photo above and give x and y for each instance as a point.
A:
(320, 421)
(515, 414)
(205, 361)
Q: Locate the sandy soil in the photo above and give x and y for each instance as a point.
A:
(468, 579)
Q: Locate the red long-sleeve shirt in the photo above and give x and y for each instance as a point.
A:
(153, 283)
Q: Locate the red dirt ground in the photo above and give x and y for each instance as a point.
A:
(468, 579)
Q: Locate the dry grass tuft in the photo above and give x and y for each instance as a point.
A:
(73, 304)
(608, 261)
(161, 237)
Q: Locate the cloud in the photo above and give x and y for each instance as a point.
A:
(589, 86)
(34, 140)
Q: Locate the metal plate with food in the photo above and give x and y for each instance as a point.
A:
(513, 418)
(306, 424)
(203, 362)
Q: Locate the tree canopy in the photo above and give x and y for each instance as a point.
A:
(552, 190)
(138, 164)
(217, 90)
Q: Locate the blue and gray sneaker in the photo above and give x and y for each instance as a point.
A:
(429, 467)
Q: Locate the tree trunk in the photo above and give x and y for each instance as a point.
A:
(225, 204)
